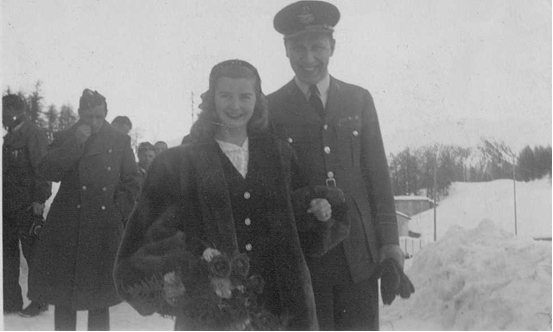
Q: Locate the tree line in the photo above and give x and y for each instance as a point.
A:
(430, 170)
(53, 118)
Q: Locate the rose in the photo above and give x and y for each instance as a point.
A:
(222, 287)
(219, 266)
(256, 283)
(241, 265)
(209, 253)
(173, 288)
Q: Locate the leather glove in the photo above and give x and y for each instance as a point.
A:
(393, 282)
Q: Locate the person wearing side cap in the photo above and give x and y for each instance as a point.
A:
(334, 130)
(77, 246)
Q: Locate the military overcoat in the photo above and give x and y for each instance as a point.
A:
(77, 247)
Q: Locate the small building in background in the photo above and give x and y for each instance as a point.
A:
(403, 223)
(411, 205)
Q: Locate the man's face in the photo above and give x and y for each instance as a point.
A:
(8, 116)
(309, 56)
(122, 127)
(160, 147)
(94, 117)
(145, 158)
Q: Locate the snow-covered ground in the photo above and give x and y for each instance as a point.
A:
(477, 276)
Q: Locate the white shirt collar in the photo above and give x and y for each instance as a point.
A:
(323, 87)
(238, 155)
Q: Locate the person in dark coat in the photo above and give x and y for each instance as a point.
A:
(230, 186)
(76, 250)
(334, 129)
(24, 193)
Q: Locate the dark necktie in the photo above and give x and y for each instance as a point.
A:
(316, 101)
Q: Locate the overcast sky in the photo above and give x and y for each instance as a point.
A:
(425, 62)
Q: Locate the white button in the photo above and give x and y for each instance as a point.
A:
(355, 133)
(248, 247)
(290, 140)
(330, 174)
(78, 206)
(84, 187)
(248, 221)
(247, 195)
(109, 168)
(109, 151)
(327, 150)
(104, 189)
(103, 207)
(325, 127)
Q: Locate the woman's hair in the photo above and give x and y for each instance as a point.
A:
(208, 122)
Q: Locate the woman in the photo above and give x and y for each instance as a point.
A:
(228, 187)
(76, 249)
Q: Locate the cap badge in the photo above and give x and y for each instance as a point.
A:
(305, 16)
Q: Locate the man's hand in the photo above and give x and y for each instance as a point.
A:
(38, 208)
(321, 208)
(394, 252)
(83, 133)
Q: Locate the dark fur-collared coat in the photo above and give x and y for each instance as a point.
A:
(185, 198)
(73, 264)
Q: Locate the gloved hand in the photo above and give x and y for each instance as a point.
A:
(393, 282)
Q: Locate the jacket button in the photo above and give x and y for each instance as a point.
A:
(290, 140)
(103, 207)
(104, 189)
(248, 247)
(325, 127)
(78, 206)
(355, 133)
(247, 195)
(248, 221)
(330, 174)
(327, 150)
(84, 187)
(109, 151)
(109, 168)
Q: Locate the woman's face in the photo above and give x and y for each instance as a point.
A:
(235, 101)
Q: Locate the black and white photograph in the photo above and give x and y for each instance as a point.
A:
(331, 165)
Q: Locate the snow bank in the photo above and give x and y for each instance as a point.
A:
(479, 279)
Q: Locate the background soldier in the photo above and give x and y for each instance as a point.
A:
(24, 194)
(334, 129)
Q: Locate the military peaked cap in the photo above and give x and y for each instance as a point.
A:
(306, 16)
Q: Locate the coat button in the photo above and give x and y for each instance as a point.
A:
(247, 195)
(248, 247)
(104, 189)
(248, 221)
(109, 151)
(325, 127)
(327, 150)
(109, 168)
(103, 207)
(355, 133)
(330, 174)
(290, 140)
(78, 206)
(84, 187)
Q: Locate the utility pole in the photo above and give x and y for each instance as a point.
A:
(435, 194)
(515, 191)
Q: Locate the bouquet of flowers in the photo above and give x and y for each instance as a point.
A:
(213, 292)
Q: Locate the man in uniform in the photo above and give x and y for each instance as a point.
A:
(24, 194)
(334, 129)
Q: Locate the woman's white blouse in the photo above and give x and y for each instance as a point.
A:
(238, 155)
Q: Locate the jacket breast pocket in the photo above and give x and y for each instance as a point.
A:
(349, 136)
